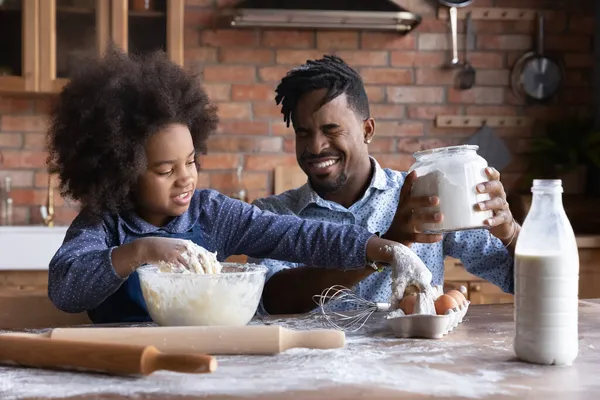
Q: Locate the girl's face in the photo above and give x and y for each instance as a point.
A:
(166, 187)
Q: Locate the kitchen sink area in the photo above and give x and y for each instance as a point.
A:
(29, 247)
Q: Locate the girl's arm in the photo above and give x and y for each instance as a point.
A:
(236, 227)
(81, 273)
(90, 266)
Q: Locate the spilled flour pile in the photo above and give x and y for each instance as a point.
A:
(198, 260)
(411, 275)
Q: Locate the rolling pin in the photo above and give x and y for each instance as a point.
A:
(250, 339)
(116, 359)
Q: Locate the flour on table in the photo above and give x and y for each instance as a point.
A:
(410, 274)
(371, 361)
(198, 261)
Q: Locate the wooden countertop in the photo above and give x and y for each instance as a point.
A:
(474, 361)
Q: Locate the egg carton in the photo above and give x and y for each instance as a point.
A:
(426, 326)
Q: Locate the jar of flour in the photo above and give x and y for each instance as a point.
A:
(452, 174)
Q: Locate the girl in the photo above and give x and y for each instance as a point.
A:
(124, 139)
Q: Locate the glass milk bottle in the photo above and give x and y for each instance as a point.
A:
(546, 281)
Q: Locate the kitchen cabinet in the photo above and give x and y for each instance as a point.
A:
(70, 30)
(475, 289)
(146, 25)
(24, 281)
(32, 309)
(19, 41)
(53, 36)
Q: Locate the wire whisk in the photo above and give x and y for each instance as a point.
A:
(345, 310)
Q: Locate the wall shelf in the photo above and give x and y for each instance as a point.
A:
(502, 14)
(476, 121)
(75, 10)
(147, 14)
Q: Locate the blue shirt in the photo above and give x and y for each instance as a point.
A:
(482, 254)
(82, 276)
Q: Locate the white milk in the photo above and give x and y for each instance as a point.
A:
(546, 314)
(546, 281)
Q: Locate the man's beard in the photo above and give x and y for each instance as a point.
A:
(329, 186)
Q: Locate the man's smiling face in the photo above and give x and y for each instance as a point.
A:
(330, 140)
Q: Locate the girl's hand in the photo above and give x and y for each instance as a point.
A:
(156, 249)
(126, 258)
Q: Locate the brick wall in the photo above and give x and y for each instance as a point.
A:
(405, 78)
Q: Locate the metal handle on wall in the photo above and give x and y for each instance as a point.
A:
(454, 25)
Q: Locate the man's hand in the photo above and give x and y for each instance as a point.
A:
(411, 214)
(502, 224)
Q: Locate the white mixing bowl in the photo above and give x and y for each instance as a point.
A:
(230, 298)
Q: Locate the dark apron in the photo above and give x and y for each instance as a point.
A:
(127, 303)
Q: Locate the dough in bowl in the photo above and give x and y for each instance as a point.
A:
(198, 261)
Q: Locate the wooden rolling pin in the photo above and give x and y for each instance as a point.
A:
(117, 359)
(251, 339)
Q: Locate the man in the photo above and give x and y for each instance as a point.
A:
(326, 103)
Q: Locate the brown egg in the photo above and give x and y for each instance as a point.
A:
(407, 304)
(444, 303)
(458, 296)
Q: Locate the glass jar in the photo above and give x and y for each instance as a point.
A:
(546, 281)
(238, 189)
(452, 174)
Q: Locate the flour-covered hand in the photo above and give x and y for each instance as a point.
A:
(153, 250)
(408, 270)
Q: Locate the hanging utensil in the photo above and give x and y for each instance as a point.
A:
(454, 4)
(466, 77)
(535, 76)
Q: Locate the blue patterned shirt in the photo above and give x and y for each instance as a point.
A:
(482, 254)
(82, 276)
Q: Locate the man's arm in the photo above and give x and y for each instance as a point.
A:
(291, 290)
(483, 255)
